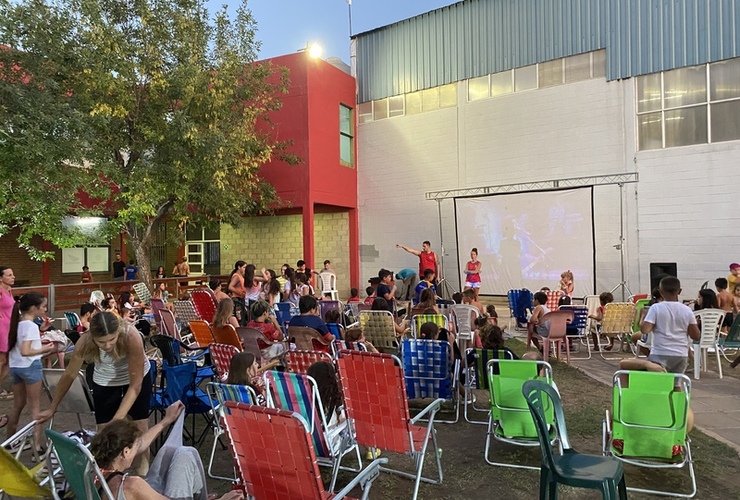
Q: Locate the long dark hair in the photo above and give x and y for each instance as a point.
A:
(238, 367)
(237, 265)
(326, 380)
(708, 299)
(249, 276)
(22, 306)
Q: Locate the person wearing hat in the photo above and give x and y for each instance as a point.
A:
(733, 279)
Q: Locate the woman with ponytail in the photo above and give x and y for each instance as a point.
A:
(121, 386)
(24, 358)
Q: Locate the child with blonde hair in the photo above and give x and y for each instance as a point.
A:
(566, 283)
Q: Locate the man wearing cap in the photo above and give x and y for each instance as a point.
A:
(733, 279)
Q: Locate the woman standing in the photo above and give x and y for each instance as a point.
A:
(7, 280)
(472, 273)
(237, 292)
(121, 385)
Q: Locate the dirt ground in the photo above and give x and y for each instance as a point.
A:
(467, 475)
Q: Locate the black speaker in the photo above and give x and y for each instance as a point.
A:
(659, 270)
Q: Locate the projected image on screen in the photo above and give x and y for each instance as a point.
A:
(526, 240)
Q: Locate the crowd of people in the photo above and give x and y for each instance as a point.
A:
(111, 338)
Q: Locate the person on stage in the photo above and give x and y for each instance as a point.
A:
(472, 273)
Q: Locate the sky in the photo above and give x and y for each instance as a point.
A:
(285, 26)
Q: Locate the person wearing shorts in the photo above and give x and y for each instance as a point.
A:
(472, 273)
(121, 384)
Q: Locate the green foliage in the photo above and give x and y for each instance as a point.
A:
(150, 108)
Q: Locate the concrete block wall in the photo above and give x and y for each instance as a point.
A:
(331, 241)
(268, 241)
(561, 132)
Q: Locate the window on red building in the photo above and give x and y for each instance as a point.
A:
(346, 136)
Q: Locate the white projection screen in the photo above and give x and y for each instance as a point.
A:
(526, 240)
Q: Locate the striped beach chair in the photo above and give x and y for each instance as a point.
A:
(430, 372)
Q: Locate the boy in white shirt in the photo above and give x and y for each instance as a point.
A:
(672, 324)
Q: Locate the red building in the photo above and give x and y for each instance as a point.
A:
(318, 116)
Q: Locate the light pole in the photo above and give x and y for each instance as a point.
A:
(349, 12)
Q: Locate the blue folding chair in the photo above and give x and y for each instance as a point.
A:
(577, 329)
(180, 384)
(430, 372)
(283, 313)
(519, 302)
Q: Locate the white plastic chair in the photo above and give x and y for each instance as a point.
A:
(465, 317)
(711, 319)
(329, 285)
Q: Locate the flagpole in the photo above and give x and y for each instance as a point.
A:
(349, 12)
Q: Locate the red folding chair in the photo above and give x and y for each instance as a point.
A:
(221, 355)
(553, 299)
(275, 458)
(299, 361)
(375, 398)
(205, 303)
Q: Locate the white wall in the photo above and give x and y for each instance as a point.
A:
(683, 209)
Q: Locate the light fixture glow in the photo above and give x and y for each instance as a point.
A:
(315, 50)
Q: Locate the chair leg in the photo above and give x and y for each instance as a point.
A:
(567, 350)
(553, 487)
(546, 348)
(697, 361)
(622, 487)
(544, 483)
(719, 362)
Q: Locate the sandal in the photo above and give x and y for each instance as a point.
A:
(5, 395)
(3, 421)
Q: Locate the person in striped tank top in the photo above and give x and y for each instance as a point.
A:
(121, 386)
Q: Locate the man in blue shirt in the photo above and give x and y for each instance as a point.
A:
(309, 317)
(408, 281)
(131, 270)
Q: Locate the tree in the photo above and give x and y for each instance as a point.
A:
(148, 110)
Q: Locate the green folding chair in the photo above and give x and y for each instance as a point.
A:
(570, 468)
(647, 426)
(475, 369)
(419, 319)
(732, 341)
(80, 469)
(510, 420)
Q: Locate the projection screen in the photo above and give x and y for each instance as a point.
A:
(526, 240)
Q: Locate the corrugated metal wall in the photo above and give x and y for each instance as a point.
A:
(478, 37)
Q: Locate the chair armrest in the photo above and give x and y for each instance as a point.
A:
(356, 324)
(433, 407)
(367, 475)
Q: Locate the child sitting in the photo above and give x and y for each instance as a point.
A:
(244, 370)
(332, 319)
(535, 326)
(354, 295)
(356, 335)
(370, 292)
(468, 298)
(492, 314)
(268, 326)
(604, 299)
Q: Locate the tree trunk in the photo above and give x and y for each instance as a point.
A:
(141, 251)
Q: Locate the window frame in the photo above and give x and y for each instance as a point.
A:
(347, 135)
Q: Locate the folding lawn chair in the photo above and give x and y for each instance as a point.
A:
(430, 372)
(577, 330)
(292, 470)
(202, 332)
(80, 470)
(185, 311)
(78, 399)
(519, 302)
(593, 304)
(299, 393)
(205, 303)
(553, 299)
(510, 420)
(307, 339)
(375, 397)
(298, 361)
(569, 467)
(142, 292)
(283, 314)
(732, 341)
(169, 328)
(419, 319)
(647, 426)
(16, 480)
(96, 297)
(73, 320)
(157, 306)
(221, 355)
(172, 352)
(617, 323)
(476, 376)
(711, 321)
(378, 329)
(329, 305)
(218, 394)
(227, 335)
(345, 345)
